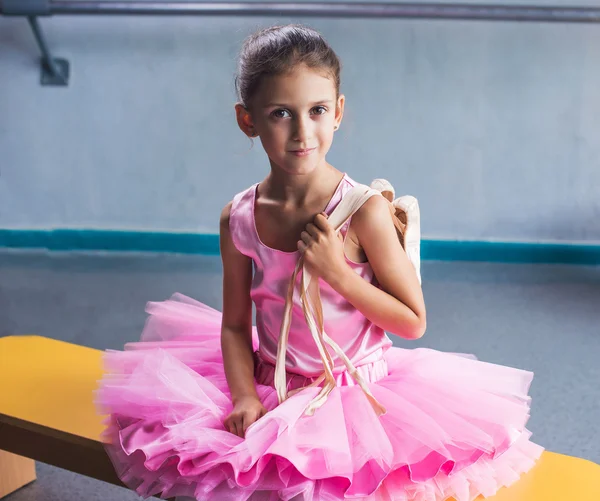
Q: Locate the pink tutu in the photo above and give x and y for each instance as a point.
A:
(454, 426)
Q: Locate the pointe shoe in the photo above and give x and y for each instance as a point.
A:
(407, 211)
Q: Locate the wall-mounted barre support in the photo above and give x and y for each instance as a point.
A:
(56, 71)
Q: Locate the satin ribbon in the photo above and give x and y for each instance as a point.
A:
(310, 299)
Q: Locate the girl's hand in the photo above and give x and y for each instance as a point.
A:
(322, 248)
(246, 411)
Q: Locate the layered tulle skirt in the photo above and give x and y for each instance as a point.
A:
(454, 426)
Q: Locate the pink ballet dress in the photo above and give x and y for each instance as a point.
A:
(453, 426)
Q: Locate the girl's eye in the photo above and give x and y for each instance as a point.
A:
(280, 113)
(320, 110)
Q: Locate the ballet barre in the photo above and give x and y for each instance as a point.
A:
(55, 71)
(364, 10)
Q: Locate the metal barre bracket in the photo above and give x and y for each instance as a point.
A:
(54, 72)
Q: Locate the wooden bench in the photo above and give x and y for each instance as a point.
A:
(47, 415)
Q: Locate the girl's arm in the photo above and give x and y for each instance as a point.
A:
(236, 333)
(398, 306)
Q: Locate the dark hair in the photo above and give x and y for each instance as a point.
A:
(277, 50)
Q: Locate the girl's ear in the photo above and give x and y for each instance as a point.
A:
(339, 111)
(244, 120)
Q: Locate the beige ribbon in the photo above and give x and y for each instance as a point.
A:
(310, 299)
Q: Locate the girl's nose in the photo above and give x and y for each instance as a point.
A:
(302, 129)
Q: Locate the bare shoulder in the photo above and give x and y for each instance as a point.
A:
(225, 216)
(373, 215)
(226, 240)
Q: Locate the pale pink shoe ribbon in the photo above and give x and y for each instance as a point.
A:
(313, 313)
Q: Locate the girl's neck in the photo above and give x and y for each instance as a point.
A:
(302, 189)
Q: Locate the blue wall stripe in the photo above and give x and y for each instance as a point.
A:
(109, 240)
(208, 244)
(510, 252)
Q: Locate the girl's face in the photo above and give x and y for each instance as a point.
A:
(295, 116)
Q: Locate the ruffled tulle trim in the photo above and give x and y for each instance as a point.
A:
(454, 427)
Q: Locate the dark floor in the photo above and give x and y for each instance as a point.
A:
(544, 318)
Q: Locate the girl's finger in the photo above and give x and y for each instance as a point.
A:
(301, 246)
(306, 238)
(321, 222)
(312, 230)
(242, 429)
(234, 428)
(249, 422)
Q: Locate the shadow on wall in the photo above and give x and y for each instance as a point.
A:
(131, 37)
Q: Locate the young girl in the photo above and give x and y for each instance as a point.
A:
(200, 408)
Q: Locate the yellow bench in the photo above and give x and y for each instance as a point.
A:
(47, 415)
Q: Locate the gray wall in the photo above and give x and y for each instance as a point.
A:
(495, 127)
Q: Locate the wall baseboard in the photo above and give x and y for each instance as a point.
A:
(208, 244)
